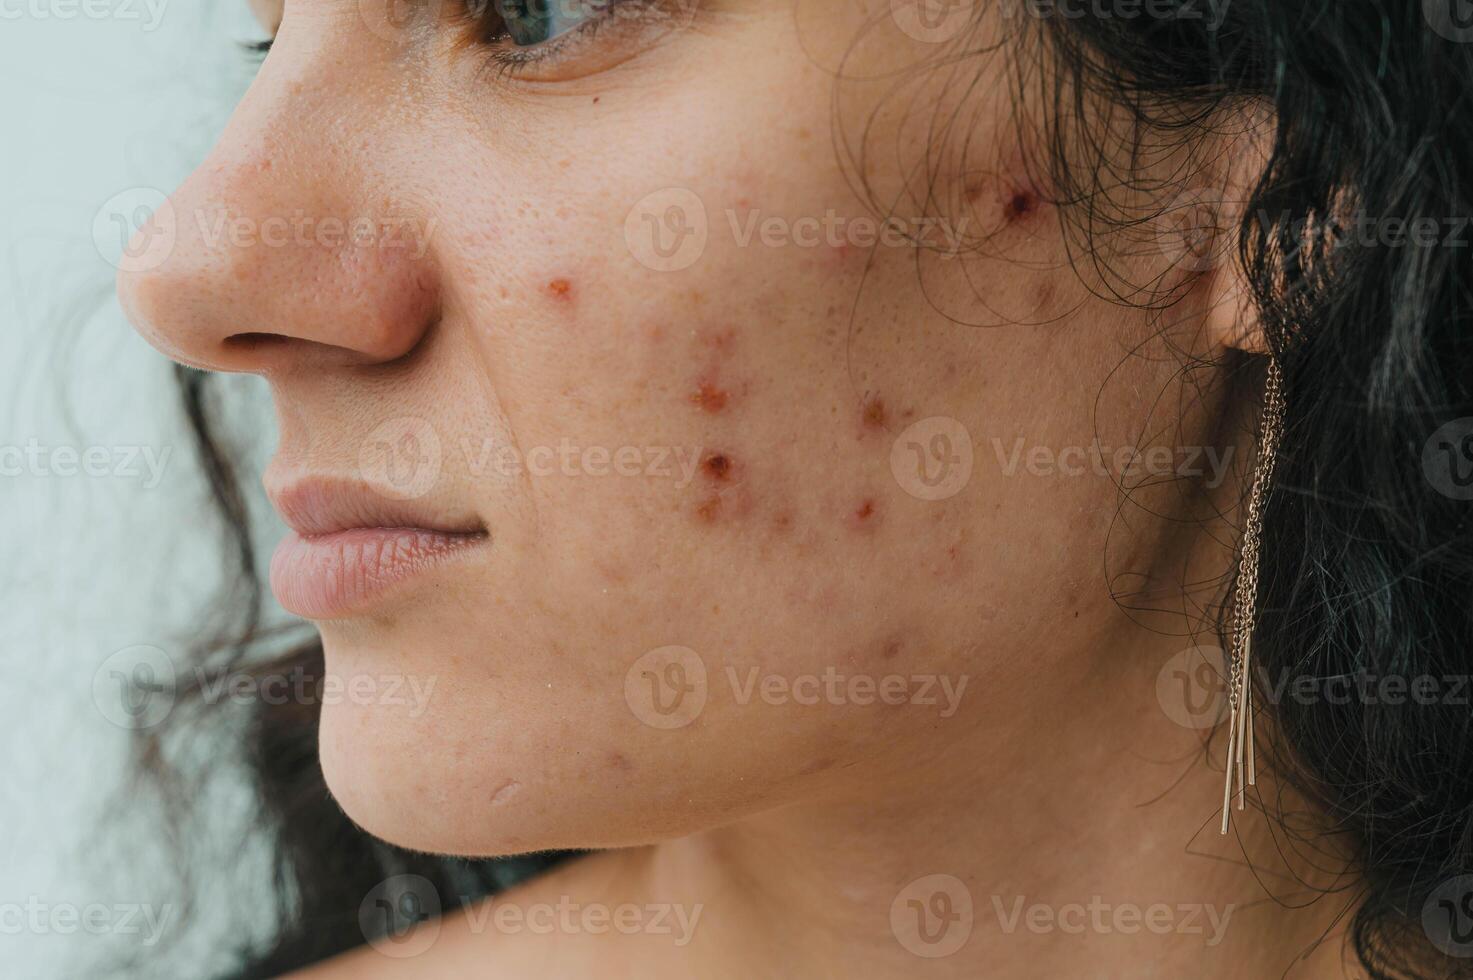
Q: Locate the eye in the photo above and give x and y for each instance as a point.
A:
(551, 39)
(527, 23)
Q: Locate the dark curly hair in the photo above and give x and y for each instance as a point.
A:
(1367, 563)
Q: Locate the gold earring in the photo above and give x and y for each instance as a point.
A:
(1245, 601)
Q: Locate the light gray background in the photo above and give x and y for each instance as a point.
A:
(94, 106)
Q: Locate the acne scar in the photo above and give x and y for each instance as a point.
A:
(560, 288)
(815, 767)
(505, 792)
(709, 510)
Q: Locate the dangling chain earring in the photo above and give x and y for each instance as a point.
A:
(1245, 600)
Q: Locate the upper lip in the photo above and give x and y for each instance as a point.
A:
(314, 505)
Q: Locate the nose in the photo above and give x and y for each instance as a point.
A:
(278, 254)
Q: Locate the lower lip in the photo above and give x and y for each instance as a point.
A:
(332, 576)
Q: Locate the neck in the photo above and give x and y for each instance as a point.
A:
(1085, 843)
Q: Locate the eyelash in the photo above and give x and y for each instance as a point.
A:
(504, 60)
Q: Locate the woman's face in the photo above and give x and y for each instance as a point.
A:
(612, 323)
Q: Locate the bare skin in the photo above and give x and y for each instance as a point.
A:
(783, 540)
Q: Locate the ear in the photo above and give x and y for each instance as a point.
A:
(1232, 319)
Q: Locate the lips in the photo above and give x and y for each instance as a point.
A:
(352, 545)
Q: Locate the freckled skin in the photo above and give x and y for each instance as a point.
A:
(805, 545)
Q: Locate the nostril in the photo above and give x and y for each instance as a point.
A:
(251, 342)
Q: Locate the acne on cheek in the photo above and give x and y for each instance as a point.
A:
(712, 391)
(726, 497)
(729, 493)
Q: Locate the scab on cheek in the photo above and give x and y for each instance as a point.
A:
(718, 467)
(864, 516)
(709, 396)
(872, 414)
(711, 392)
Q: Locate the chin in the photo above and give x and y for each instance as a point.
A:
(542, 782)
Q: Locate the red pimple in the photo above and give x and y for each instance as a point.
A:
(708, 397)
(560, 288)
(864, 516)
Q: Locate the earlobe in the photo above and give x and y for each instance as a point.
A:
(1232, 316)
